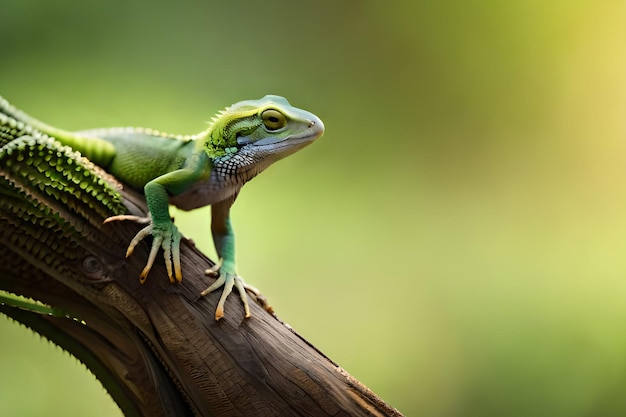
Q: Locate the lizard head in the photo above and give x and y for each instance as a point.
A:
(269, 128)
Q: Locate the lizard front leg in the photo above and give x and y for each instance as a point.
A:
(164, 232)
(224, 240)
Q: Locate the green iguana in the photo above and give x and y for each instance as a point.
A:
(208, 168)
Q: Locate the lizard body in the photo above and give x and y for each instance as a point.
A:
(193, 171)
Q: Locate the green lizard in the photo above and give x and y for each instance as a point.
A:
(208, 168)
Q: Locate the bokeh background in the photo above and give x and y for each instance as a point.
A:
(455, 241)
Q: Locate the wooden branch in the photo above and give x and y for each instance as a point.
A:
(156, 347)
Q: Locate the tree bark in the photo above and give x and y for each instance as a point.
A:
(156, 347)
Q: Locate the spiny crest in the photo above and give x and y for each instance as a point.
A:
(217, 117)
(11, 129)
(109, 131)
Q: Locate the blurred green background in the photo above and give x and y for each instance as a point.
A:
(456, 239)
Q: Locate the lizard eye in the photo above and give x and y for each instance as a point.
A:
(273, 119)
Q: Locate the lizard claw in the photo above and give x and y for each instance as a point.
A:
(164, 236)
(260, 298)
(120, 217)
(214, 271)
(138, 238)
(230, 280)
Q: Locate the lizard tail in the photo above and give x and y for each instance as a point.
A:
(99, 151)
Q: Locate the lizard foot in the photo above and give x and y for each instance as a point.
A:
(164, 236)
(228, 280)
